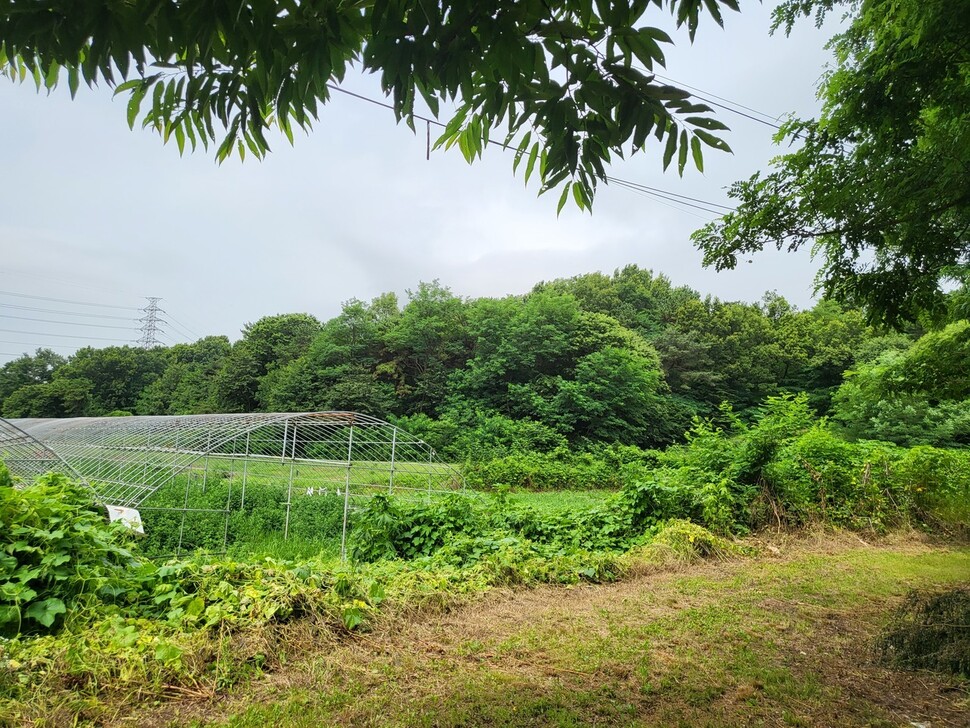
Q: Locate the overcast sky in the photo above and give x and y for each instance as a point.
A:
(93, 212)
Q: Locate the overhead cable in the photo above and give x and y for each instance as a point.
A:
(65, 300)
(63, 336)
(657, 190)
(703, 96)
(61, 312)
(630, 185)
(68, 323)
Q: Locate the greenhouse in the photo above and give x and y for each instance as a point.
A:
(211, 481)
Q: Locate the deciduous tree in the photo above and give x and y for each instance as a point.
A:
(879, 184)
(569, 83)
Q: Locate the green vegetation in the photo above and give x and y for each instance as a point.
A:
(608, 426)
(55, 551)
(91, 620)
(779, 640)
(198, 68)
(228, 509)
(542, 390)
(612, 425)
(892, 132)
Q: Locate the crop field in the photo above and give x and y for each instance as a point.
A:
(259, 504)
(264, 505)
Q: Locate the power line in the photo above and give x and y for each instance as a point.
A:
(185, 329)
(683, 199)
(65, 313)
(666, 202)
(65, 300)
(771, 124)
(180, 337)
(37, 346)
(654, 192)
(68, 323)
(773, 119)
(62, 336)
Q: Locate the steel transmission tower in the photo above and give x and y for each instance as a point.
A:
(150, 324)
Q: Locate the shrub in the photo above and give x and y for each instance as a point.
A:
(557, 470)
(57, 551)
(938, 482)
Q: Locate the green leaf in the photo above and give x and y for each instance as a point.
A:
(168, 653)
(671, 147)
(520, 152)
(530, 165)
(53, 73)
(195, 607)
(73, 80)
(695, 148)
(562, 199)
(682, 153)
(134, 104)
(8, 614)
(45, 611)
(706, 122)
(715, 12)
(352, 617)
(579, 196)
(711, 140)
(657, 34)
(127, 86)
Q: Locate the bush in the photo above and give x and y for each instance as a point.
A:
(557, 470)
(819, 476)
(938, 483)
(57, 552)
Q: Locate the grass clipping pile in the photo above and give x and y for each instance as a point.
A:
(930, 631)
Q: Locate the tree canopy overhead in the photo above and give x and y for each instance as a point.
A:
(569, 83)
(879, 184)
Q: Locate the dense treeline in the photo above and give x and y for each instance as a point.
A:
(575, 363)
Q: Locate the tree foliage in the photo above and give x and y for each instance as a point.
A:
(569, 84)
(879, 184)
(26, 370)
(582, 363)
(916, 396)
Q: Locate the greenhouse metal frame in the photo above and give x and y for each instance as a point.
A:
(126, 461)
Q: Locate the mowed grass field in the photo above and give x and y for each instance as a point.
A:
(784, 638)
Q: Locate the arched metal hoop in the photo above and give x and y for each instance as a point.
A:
(26, 457)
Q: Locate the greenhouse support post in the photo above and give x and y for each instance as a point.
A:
(343, 534)
(390, 487)
(289, 487)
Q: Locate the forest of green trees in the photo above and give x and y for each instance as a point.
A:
(575, 364)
